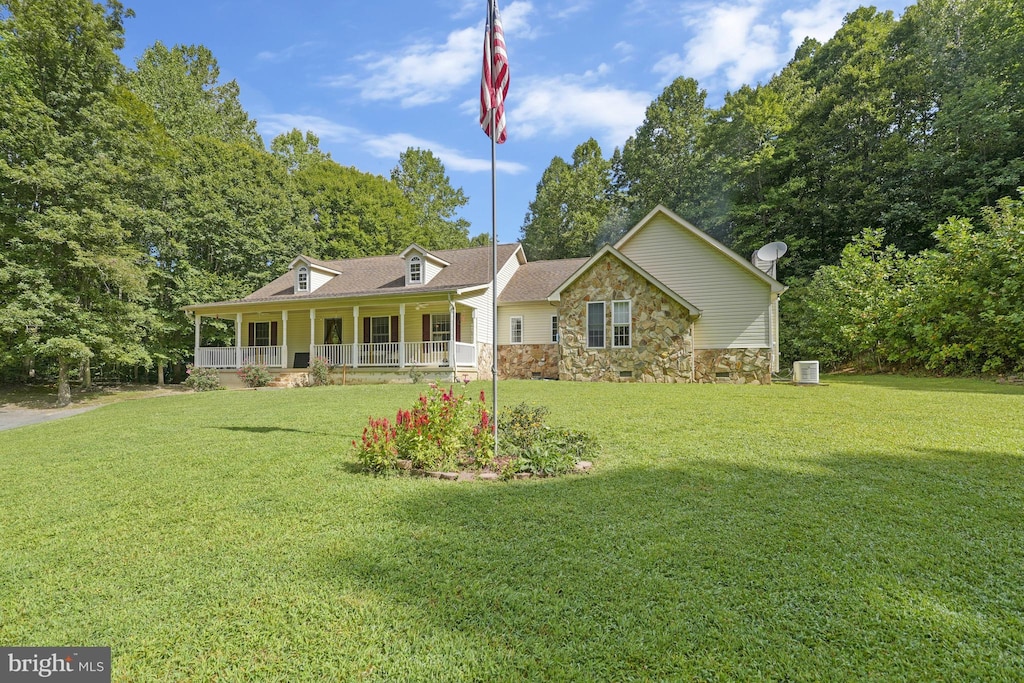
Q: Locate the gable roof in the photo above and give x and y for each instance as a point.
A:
(746, 265)
(534, 281)
(426, 254)
(382, 275)
(319, 265)
(615, 253)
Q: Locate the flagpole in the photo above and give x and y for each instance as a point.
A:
(494, 283)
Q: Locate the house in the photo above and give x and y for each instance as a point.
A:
(666, 303)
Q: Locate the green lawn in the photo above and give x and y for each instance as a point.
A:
(868, 529)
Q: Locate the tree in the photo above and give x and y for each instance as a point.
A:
(355, 213)
(74, 149)
(298, 152)
(421, 177)
(664, 162)
(181, 85)
(572, 203)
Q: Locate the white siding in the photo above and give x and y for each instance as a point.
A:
(481, 303)
(318, 279)
(430, 269)
(734, 303)
(536, 322)
(506, 272)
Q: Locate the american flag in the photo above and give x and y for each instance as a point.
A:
(494, 82)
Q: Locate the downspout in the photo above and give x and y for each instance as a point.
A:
(451, 338)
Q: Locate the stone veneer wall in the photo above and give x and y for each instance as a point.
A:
(662, 334)
(744, 366)
(483, 361)
(521, 361)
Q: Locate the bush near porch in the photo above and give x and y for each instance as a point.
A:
(868, 528)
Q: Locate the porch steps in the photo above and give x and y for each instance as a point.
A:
(288, 378)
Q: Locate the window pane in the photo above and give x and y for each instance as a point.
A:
(554, 329)
(261, 334)
(415, 270)
(595, 325)
(380, 330)
(620, 313)
(621, 323)
(440, 327)
(516, 330)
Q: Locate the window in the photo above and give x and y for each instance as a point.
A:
(595, 325)
(554, 329)
(515, 329)
(303, 279)
(440, 327)
(622, 323)
(415, 270)
(380, 330)
(332, 331)
(261, 334)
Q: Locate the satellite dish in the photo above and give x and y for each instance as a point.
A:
(772, 251)
(764, 259)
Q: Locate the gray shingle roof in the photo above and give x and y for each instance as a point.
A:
(536, 280)
(376, 275)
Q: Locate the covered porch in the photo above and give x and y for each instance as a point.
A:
(402, 336)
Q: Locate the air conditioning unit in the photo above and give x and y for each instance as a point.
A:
(805, 372)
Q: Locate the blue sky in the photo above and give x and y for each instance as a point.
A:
(372, 78)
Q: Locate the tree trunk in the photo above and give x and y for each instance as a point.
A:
(63, 386)
(159, 373)
(86, 374)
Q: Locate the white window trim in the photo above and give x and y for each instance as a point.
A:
(373, 331)
(604, 324)
(628, 324)
(409, 274)
(303, 270)
(256, 333)
(512, 329)
(554, 329)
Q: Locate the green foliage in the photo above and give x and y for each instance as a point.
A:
(202, 379)
(319, 372)
(422, 179)
(538, 448)
(952, 309)
(254, 375)
(567, 216)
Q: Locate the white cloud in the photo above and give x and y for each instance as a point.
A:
(287, 53)
(424, 72)
(729, 41)
(566, 106)
(819, 21)
(327, 130)
(391, 146)
(570, 8)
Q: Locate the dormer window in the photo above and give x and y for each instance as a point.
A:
(302, 279)
(415, 270)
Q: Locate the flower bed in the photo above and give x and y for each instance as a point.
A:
(446, 433)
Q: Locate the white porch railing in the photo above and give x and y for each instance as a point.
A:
(228, 356)
(465, 354)
(336, 354)
(426, 353)
(217, 357)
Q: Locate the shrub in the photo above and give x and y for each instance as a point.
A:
(537, 448)
(202, 379)
(319, 372)
(254, 375)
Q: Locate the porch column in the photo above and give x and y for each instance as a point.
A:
(401, 335)
(284, 339)
(238, 340)
(312, 334)
(451, 340)
(355, 336)
(199, 323)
